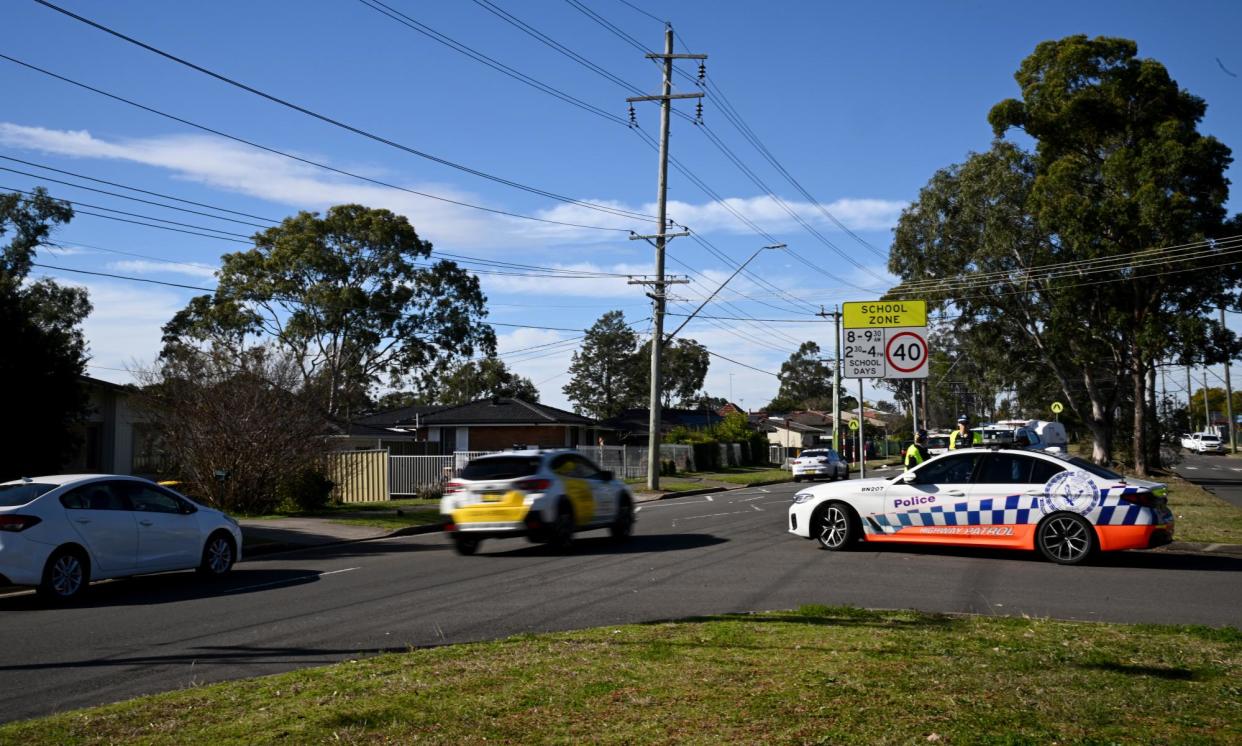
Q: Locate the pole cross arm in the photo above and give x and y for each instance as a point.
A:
(675, 56)
(668, 97)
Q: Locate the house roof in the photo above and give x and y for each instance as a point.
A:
(640, 419)
(401, 415)
(771, 425)
(503, 411)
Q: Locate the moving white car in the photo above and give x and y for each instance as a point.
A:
(58, 533)
(1064, 507)
(819, 462)
(1203, 443)
(546, 496)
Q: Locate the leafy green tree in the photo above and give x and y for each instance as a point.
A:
(1118, 168)
(45, 353)
(683, 366)
(806, 382)
(486, 377)
(344, 294)
(603, 371)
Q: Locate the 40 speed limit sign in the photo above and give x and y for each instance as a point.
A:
(905, 352)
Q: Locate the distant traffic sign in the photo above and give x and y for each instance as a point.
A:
(883, 314)
(1057, 407)
(853, 424)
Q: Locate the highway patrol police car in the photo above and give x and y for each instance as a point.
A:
(1064, 507)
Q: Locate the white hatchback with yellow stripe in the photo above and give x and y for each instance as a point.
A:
(546, 496)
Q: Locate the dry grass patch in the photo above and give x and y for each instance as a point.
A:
(817, 675)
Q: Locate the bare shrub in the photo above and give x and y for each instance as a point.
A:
(238, 429)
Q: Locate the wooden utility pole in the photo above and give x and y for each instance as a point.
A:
(1233, 444)
(836, 375)
(659, 296)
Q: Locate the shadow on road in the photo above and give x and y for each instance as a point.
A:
(226, 654)
(595, 545)
(1138, 559)
(347, 549)
(170, 588)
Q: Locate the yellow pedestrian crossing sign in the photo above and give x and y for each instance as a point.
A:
(1057, 407)
(853, 424)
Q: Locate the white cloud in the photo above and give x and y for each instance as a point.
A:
(230, 166)
(143, 267)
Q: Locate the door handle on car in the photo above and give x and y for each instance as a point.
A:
(82, 520)
(145, 523)
(1034, 492)
(955, 493)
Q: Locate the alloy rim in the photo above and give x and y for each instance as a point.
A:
(835, 526)
(67, 575)
(219, 555)
(1066, 539)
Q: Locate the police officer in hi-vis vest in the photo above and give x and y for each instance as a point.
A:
(962, 436)
(917, 452)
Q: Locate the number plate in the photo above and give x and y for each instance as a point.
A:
(492, 497)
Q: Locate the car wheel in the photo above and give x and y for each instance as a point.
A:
(623, 527)
(797, 478)
(65, 576)
(219, 554)
(563, 528)
(1065, 538)
(835, 526)
(466, 545)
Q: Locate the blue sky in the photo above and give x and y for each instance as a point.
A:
(861, 103)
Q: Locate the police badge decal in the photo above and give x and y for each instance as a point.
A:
(1070, 491)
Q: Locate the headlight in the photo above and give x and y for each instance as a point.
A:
(802, 497)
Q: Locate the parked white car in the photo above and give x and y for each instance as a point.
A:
(546, 496)
(819, 462)
(1203, 443)
(58, 533)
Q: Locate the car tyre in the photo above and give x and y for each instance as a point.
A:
(466, 545)
(797, 478)
(835, 526)
(563, 528)
(1066, 539)
(623, 527)
(219, 554)
(65, 576)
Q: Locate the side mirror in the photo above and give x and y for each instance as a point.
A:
(908, 477)
(605, 476)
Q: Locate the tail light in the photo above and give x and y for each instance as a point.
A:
(17, 523)
(533, 485)
(452, 487)
(1146, 499)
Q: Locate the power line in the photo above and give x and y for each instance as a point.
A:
(632, 6)
(300, 159)
(422, 28)
(134, 215)
(131, 188)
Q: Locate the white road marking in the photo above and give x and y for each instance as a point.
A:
(289, 581)
(748, 499)
(756, 507)
(711, 515)
(709, 498)
(1235, 468)
(667, 503)
(1193, 468)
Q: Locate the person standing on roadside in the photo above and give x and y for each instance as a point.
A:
(962, 437)
(917, 452)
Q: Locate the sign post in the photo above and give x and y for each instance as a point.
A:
(883, 339)
(1057, 407)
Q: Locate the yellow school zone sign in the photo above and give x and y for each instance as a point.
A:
(881, 314)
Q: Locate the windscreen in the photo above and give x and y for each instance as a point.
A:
(814, 453)
(501, 467)
(12, 495)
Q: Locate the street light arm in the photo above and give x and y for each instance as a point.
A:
(668, 338)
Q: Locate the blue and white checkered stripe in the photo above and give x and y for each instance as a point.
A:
(1012, 510)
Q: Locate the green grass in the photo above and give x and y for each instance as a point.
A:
(815, 675)
(749, 475)
(1200, 515)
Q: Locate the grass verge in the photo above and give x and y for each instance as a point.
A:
(817, 675)
(390, 514)
(1202, 516)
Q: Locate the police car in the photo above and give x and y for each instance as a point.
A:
(546, 496)
(1064, 507)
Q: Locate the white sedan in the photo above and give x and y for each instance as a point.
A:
(819, 462)
(58, 533)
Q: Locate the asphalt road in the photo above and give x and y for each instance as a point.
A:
(691, 556)
(1219, 475)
